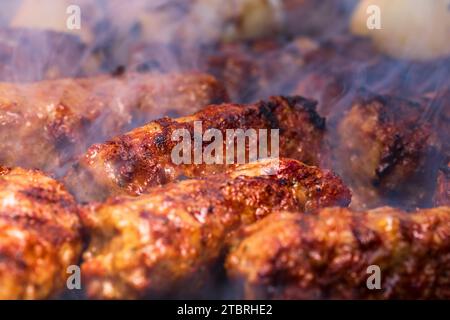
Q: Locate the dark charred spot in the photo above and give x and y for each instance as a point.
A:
(309, 106)
(394, 154)
(165, 122)
(366, 237)
(18, 260)
(160, 141)
(4, 171)
(147, 215)
(47, 229)
(42, 195)
(409, 230)
(267, 110)
(283, 182)
(119, 71)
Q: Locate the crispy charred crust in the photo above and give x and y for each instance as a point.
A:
(40, 235)
(326, 256)
(154, 244)
(311, 107)
(387, 151)
(140, 159)
(64, 117)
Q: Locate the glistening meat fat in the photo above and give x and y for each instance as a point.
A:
(40, 235)
(166, 240)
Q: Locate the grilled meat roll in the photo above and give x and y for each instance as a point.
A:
(154, 244)
(442, 196)
(387, 151)
(45, 125)
(328, 255)
(142, 158)
(40, 235)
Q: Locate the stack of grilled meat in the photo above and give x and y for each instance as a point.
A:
(87, 178)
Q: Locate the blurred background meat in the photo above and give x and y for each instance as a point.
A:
(36, 43)
(47, 124)
(328, 255)
(388, 151)
(31, 55)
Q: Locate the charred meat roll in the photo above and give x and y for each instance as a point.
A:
(156, 244)
(334, 254)
(143, 158)
(387, 151)
(40, 235)
(46, 124)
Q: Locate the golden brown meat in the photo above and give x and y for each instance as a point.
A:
(154, 244)
(142, 158)
(327, 255)
(387, 151)
(40, 235)
(442, 196)
(45, 125)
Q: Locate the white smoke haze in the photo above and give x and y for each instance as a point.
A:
(258, 48)
(112, 30)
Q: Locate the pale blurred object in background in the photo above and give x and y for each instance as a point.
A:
(53, 15)
(199, 21)
(410, 29)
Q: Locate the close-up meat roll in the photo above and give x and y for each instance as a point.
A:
(155, 244)
(142, 158)
(388, 151)
(40, 235)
